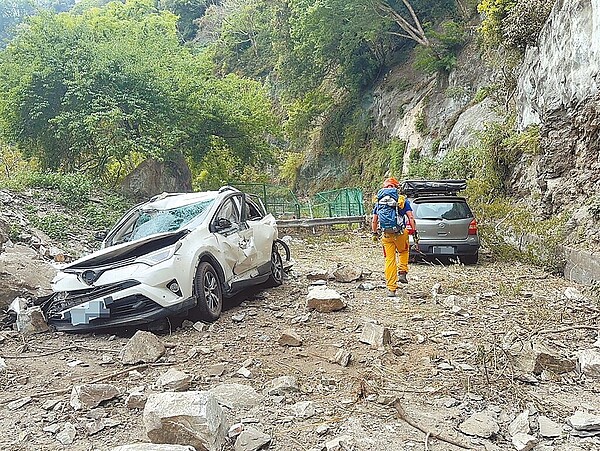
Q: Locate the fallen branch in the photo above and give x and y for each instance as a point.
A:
(404, 417)
(565, 329)
(62, 391)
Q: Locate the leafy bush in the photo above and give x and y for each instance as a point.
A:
(55, 225)
(523, 23)
(71, 190)
(421, 123)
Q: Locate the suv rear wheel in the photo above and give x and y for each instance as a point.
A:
(209, 296)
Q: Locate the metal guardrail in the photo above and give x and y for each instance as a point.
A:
(315, 222)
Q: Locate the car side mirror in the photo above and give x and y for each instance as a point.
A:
(223, 223)
(101, 235)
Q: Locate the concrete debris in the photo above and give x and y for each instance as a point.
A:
(549, 428)
(524, 442)
(31, 321)
(95, 426)
(480, 424)
(153, 447)
(143, 347)
(584, 424)
(347, 273)
(185, 418)
(324, 300)
(236, 396)
(520, 424)
(88, 396)
(281, 386)
(251, 439)
(290, 338)
(304, 409)
(67, 434)
(375, 335)
(588, 362)
(174, 380)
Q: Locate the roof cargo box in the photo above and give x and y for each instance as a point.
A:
(428, 187)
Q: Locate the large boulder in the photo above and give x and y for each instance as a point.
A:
(154, 177)
(189, 418)
(143, 347)
(22, 272)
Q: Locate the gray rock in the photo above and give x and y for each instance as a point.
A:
(304, 409)
(153, 447)
(143, 347)
(339, 356)
(88, 396)
(375, 335)
(136, 400)
(535, 357)
(318, 274)
(588, 362)
(31, 321)
(367, 286)
(480, 424)
(290, 338)
(154, 176)
(520, 424)
(189, 418)
(18, 403)
(95, 426)
(347, 273)
(52, 429)
(281, 386)
(236, 396)
(584, 424)
(524, 442)
(341, 443)
(549, 428)
(174, 380)
(324, 300)
(67, 434)
(251, 439)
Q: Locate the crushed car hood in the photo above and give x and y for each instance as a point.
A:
(126, 251)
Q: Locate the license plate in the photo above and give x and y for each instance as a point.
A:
(446, 250)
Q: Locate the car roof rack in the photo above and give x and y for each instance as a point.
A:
(432, 187)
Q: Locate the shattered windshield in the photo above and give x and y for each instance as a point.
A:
(147, 221)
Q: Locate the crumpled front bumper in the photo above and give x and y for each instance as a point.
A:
(116, 305)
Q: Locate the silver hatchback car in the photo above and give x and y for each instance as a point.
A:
(445, 223)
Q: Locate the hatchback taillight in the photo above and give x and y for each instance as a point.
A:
(409, 229)
(473, 227)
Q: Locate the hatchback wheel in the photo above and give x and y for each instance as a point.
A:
(207, 289)
(276, 276)
(470, 259)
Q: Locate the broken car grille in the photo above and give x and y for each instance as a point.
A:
(67, 299)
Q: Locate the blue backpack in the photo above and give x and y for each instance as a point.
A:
(389, 204)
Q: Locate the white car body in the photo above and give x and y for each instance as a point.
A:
(149, 263)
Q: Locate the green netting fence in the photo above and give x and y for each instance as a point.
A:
(283, 203)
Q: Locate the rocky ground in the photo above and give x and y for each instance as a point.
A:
(487, 356)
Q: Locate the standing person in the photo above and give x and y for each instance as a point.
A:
(389, 218)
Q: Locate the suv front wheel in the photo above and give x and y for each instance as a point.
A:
(209, 296)
(276, 276)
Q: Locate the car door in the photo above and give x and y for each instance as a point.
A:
(263, 225)
(235, 236)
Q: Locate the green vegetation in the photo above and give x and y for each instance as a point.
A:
(441, 56)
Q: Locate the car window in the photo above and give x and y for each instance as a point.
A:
(230, 210)
(146, 222)
(441, 210)
(254, 211)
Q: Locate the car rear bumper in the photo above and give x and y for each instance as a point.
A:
(443, 250)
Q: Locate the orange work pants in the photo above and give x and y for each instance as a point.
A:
(392, 243)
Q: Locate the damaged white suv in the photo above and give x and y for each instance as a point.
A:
(175, 254)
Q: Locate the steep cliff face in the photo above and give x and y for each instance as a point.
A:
(559, 89)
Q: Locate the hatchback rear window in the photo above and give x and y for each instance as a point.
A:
(441, 210)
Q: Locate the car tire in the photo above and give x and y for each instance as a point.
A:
(470, 259)
(209, 295)
(276, 277)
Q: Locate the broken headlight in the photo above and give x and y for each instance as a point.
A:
(159, 256)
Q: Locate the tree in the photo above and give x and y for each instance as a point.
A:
(412, 26)
(81, 91)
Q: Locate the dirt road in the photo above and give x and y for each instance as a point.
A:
(460, 340)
